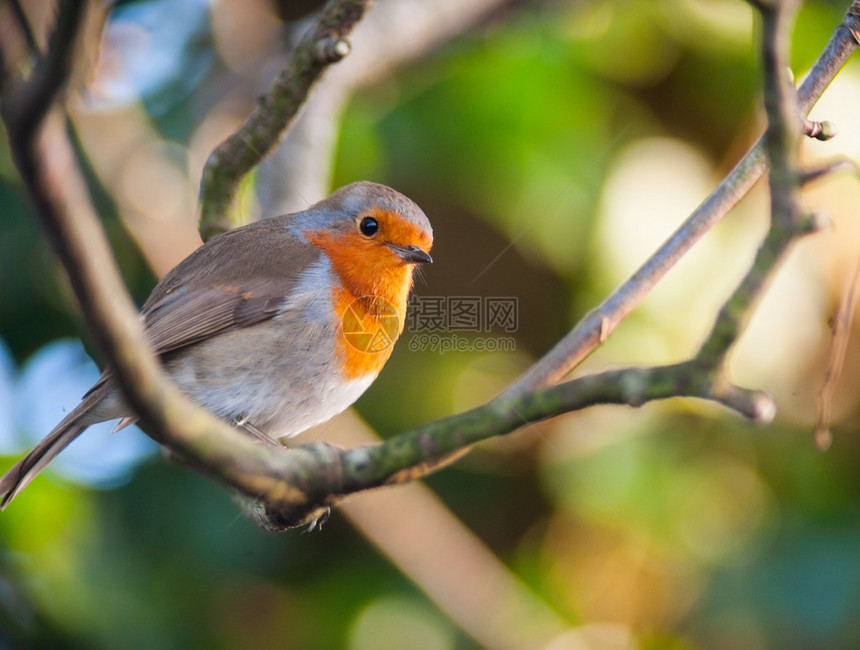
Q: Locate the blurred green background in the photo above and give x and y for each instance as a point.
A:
(553, 145)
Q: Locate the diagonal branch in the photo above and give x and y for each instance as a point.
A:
(275, 112)
(599, 324)
(426, 449)
(46, 161)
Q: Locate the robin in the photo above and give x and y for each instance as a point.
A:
(275, 326)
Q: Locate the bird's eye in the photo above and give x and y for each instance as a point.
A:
(369, 226)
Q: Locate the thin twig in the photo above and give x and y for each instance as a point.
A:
(782, 141)
(842, 164)
(26, 105)
(822, 435)
(26, 29)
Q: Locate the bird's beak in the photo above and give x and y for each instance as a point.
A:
(411, 254)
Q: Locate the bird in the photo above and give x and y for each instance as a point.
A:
(275, 326)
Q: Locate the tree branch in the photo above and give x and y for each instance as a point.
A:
(275, 112)
(26, 104)
(293, 486)
(598, 324)
(782, 144)
(46, 162)
(298, 173)
(426, 449)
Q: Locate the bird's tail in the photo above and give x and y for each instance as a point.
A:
(26, 469)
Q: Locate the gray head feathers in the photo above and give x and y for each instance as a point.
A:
(355, 199)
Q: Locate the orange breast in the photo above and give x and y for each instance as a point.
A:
(369, 328)
(370, 302)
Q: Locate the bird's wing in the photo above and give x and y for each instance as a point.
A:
(236, 280)
(187, 317)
